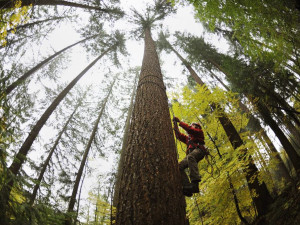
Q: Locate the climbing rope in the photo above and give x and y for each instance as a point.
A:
(212, 162)
(174, 126)
(195, 200)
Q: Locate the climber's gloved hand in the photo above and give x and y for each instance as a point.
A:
(175, 119)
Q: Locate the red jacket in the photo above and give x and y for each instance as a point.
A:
(195, 136)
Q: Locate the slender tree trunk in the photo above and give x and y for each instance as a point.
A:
(6, 4)
(150, 186)
(27, 25)
(23, 151)
(281, 171)
(11, 42)
(285, 106)
(236, 201)
(124, 144)
(84, 158)
(47, 161)
(293, 131)
(264, 198)
(79, 198)
(11, 87)
(264, 166)
(294, 157)
(235, 198)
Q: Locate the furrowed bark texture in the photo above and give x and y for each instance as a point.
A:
(150, 187)
(124, 144)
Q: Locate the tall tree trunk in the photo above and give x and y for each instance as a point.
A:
(47, 161)
(294, 157)
(11, 87)
(281, 170)
(23, 151)
(84, 157)
(124, 144)
(264, 198)
(264, 167)
(27, 25)
(7, 4)
(284, 105)
(293, 131)
(150, 186)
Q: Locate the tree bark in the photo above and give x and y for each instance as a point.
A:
(150, 187)
(47, 161)
(7, 4)
(264, 198)
(11, 87)
(84, 157)
(124, 144)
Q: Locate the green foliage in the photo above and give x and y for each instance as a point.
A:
(149, 18)
(260, 78)
(264, 29)
(102, 208)
(103, 40)
(214, 204)
(11, 18)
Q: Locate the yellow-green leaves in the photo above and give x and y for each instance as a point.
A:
(11, 18)
(215, 203)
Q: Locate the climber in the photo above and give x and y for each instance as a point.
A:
(194, 153)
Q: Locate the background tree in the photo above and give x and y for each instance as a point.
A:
(23, 151)
(10, 4)
(21, 79)
(85, 155)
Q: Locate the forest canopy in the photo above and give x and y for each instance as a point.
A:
(90, 90)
